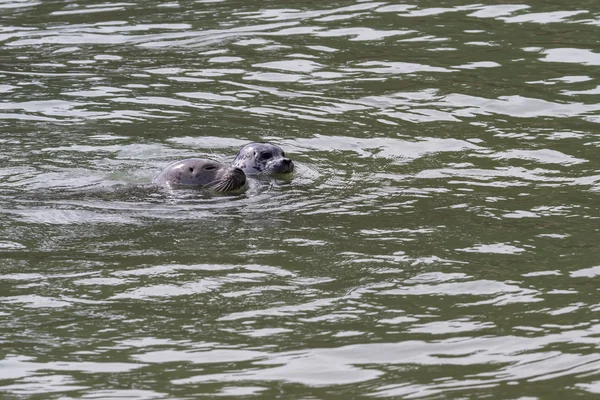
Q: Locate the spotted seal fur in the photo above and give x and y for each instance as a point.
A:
(264, 159)
(201, 173)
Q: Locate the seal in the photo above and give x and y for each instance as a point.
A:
(201, 173)
(263, 158)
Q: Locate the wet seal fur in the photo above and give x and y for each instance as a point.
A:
(263, 159)
(201, 173)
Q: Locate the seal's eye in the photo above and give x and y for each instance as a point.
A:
(266, 156)
(209, 167)
(282, 154)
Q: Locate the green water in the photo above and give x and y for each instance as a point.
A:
(438, 240)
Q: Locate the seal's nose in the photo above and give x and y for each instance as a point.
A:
(237, 173)
(241, 175)
(286, 165)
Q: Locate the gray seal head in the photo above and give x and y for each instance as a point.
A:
(201, 173)
(263, 158)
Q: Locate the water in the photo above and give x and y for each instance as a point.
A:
(438, 240)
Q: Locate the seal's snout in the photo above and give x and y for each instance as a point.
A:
(287, 164)
(281, 166)
(233, 179)
(238, 175)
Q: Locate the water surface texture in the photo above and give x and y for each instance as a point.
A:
(439, 238)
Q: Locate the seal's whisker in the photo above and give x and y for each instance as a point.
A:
(213, 184)
(224, 185)
(220, 186)
(228, 185)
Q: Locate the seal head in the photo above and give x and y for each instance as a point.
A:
(201, 173)
(263, 158)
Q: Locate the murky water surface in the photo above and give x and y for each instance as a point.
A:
(439, 238)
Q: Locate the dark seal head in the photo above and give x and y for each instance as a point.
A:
(201, 173)
(263, 158)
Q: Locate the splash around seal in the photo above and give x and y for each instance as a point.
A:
(263, 158)
(201, 173)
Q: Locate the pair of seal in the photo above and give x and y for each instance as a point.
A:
(252, 159)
